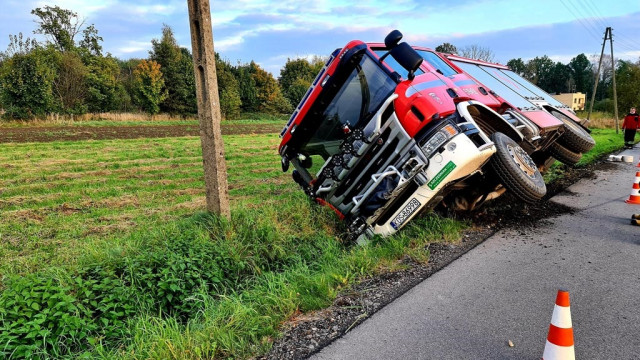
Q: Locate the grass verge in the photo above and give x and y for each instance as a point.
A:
(607, 141)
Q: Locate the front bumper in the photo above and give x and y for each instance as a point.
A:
(459, 159)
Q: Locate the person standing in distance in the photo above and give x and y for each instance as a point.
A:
(630, 126)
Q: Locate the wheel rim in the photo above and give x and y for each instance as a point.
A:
(523, 160)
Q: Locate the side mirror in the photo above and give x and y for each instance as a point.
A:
(407, 57)
(392, 39)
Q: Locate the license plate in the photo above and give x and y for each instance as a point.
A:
(411, 207)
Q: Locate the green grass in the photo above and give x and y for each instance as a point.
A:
(105, 251)
(607, 141)
(89, 222)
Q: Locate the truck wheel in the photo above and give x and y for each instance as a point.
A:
(516, 170)
(564, 155)
(575, 138)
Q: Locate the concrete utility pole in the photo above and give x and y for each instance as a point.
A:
(215, 169)
(607, 36)
(613, 73)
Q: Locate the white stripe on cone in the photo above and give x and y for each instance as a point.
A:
(561, 317)
(555, 352)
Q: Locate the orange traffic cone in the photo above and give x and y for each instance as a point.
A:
(560, 339)
(634, 198)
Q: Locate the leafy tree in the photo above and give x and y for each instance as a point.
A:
(125, 94)
(189, 85)
(296, 76)
(477, 52)
(268, 94)
(581, 73)
(59, 25)
(228, 89)
(248, 90)
(70, 82)
(604, 105)
(297, 90)
(447, 48)
(605, 81)
(517, 65)
(559, 79)
(104, 89)
(149, 86)
(91, 41)
(539, 70)
(627, 85)
(177, 69)
(229, 93)
(26, 85)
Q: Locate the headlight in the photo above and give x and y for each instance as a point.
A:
(438, 139)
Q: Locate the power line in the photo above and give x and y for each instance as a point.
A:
(590, 20)
(584, 25)
(630, 40)
(596, 12)
(584, 16)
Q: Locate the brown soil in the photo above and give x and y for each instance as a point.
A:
(306, 334)
(69, 133)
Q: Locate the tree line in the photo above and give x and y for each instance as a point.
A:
(68, 73)
(579, 75)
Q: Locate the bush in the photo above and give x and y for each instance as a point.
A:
(26, 85)
(55, 315)
(604, 105)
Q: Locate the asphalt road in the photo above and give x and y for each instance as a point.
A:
(504, 289)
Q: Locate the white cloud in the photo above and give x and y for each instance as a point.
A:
(133, 46)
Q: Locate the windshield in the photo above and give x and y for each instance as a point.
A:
(439, 64)
(533, 88)
(360, 96)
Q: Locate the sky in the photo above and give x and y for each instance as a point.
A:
(270, 32)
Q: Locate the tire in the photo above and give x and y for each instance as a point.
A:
(516, 170)
(564, 155)
(575, 138)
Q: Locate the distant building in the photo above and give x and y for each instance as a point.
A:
(573, 100)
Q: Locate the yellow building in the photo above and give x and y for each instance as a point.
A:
(573, 100)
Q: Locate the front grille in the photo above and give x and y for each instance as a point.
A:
(355, 173)
(395, 149)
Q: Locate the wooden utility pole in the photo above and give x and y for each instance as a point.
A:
(607, 36)
(215, 169)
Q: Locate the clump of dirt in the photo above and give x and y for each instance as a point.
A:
(306, 334)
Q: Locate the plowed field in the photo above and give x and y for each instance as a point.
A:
(69, 133)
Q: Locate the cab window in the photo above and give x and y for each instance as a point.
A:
(439, 64)
(393, 64)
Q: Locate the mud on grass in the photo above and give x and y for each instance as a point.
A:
(306, 334)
